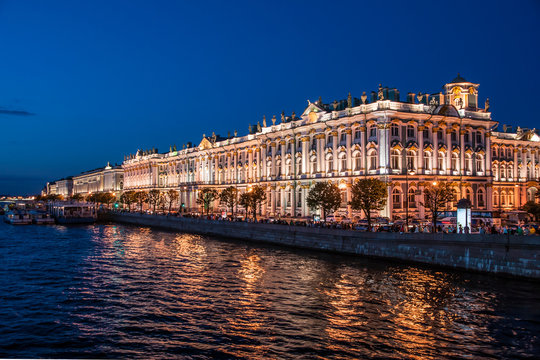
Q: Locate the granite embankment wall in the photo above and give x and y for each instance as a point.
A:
(500, 254)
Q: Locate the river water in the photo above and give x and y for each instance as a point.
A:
(115, 291)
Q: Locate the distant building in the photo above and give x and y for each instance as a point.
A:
(64, 187)
(106, 179)
(50, 189)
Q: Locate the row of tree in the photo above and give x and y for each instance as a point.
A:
(154, 198)
(369, 195)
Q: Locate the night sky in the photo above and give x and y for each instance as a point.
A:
(83, 83)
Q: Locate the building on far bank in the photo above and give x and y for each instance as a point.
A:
(444, 136)
(64, 187)
(106, 179)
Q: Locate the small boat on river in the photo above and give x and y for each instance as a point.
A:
(18, 217)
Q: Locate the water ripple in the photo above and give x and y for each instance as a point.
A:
(110, 291)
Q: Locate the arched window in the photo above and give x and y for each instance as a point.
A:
(510, 171)
(396, 198)
(372, 157)
(313, 161)
(427, 160)
(481, 198)
(479, 163)
(412, 198)
(357, 161)
(343, 162)
(468, 162)
(314, 143)
(411, 160)
(510, 198)
(394, 159)
(298, 164)
(455, 160)
(329, 164)
(440, 161)
(531, 194)
(269, 168)
(468, 194)
(373, 131)
(278, 168)
(495, 170)
(495, 198)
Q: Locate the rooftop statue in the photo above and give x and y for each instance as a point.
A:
(364, 97)
(380, 94)
(349, 100)
(274, 120)
(335, 105)
(487, 105)
(283, 116)
(264, 120)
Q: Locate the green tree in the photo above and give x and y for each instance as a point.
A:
(140, 198)
(153, 198)
(368, 195)
(253, 199)
(230, 197)
(54, 197)
(206, 197)
(106, 198)
(128, 198)
(436, 196)
(77, 197)
(325, 196)
(169, 198)
(532, 208)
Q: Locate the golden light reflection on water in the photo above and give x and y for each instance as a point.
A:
(251, 293)
(347, 312)
(250, 316)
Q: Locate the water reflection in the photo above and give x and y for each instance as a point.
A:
(122, 291)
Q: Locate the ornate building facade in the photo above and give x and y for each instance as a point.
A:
(426, 138)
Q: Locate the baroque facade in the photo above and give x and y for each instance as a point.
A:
(426, 138)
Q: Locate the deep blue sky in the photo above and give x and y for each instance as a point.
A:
(104, 78)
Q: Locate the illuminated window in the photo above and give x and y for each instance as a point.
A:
(395, 130)
(396, 199)
(410, 131)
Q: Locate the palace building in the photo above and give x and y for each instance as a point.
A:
(444, 136)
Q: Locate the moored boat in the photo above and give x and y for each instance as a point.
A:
(72, 212)
(18, 217)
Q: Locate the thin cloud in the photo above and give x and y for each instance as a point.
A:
(5, 111)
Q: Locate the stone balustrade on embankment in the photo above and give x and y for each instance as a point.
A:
(500, 254)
